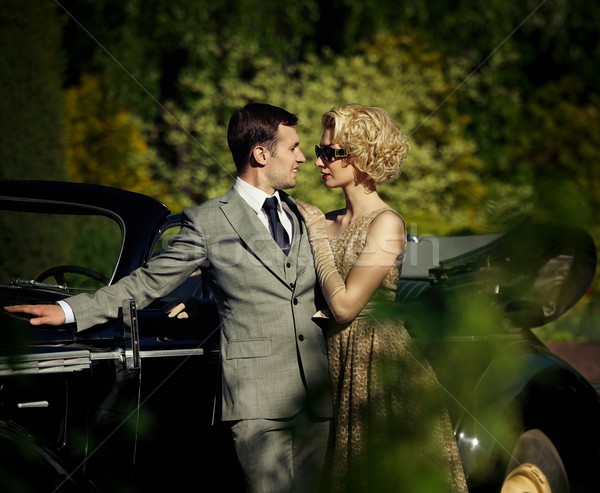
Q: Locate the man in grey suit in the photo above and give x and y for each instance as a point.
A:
(275, 386)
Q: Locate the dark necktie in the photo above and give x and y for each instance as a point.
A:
(277, 230)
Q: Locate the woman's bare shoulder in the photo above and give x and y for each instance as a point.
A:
(388, 220)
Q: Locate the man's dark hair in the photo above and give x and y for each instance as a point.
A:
(255, 124)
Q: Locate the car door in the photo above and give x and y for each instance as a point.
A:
(179, 428)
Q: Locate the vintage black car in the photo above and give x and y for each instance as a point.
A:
(134, 404)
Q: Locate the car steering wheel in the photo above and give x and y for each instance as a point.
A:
(59, 271)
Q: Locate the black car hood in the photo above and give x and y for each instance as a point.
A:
(536, 271)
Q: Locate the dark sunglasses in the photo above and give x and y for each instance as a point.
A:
(328, 153)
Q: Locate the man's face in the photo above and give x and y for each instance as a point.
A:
(283, 164)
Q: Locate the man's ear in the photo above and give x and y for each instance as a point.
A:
(261, 155)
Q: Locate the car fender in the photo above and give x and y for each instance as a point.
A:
(26, 464)
(524, 387)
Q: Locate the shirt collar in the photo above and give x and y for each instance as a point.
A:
(252, 195)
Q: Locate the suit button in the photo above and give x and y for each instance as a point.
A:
(295, 301)
(300, 337)
(288, 265)
(292, 285)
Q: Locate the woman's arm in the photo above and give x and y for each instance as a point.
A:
(386, 239)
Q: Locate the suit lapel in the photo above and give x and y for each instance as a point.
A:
(253, 233)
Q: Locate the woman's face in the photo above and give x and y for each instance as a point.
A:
(335, 171)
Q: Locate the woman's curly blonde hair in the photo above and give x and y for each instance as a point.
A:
(376, 144)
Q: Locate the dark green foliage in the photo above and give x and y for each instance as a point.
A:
(31, 106)
(31, 244)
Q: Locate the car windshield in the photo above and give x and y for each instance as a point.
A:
(71, 245)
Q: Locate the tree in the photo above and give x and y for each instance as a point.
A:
(31, 123)
(407, 81)
(107, 144)
(31, 106)
(560, 144)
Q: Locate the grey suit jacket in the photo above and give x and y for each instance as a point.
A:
(273, 355)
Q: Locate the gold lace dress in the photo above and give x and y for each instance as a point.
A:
(391, 429)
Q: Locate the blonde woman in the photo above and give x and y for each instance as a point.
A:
(391, 429)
